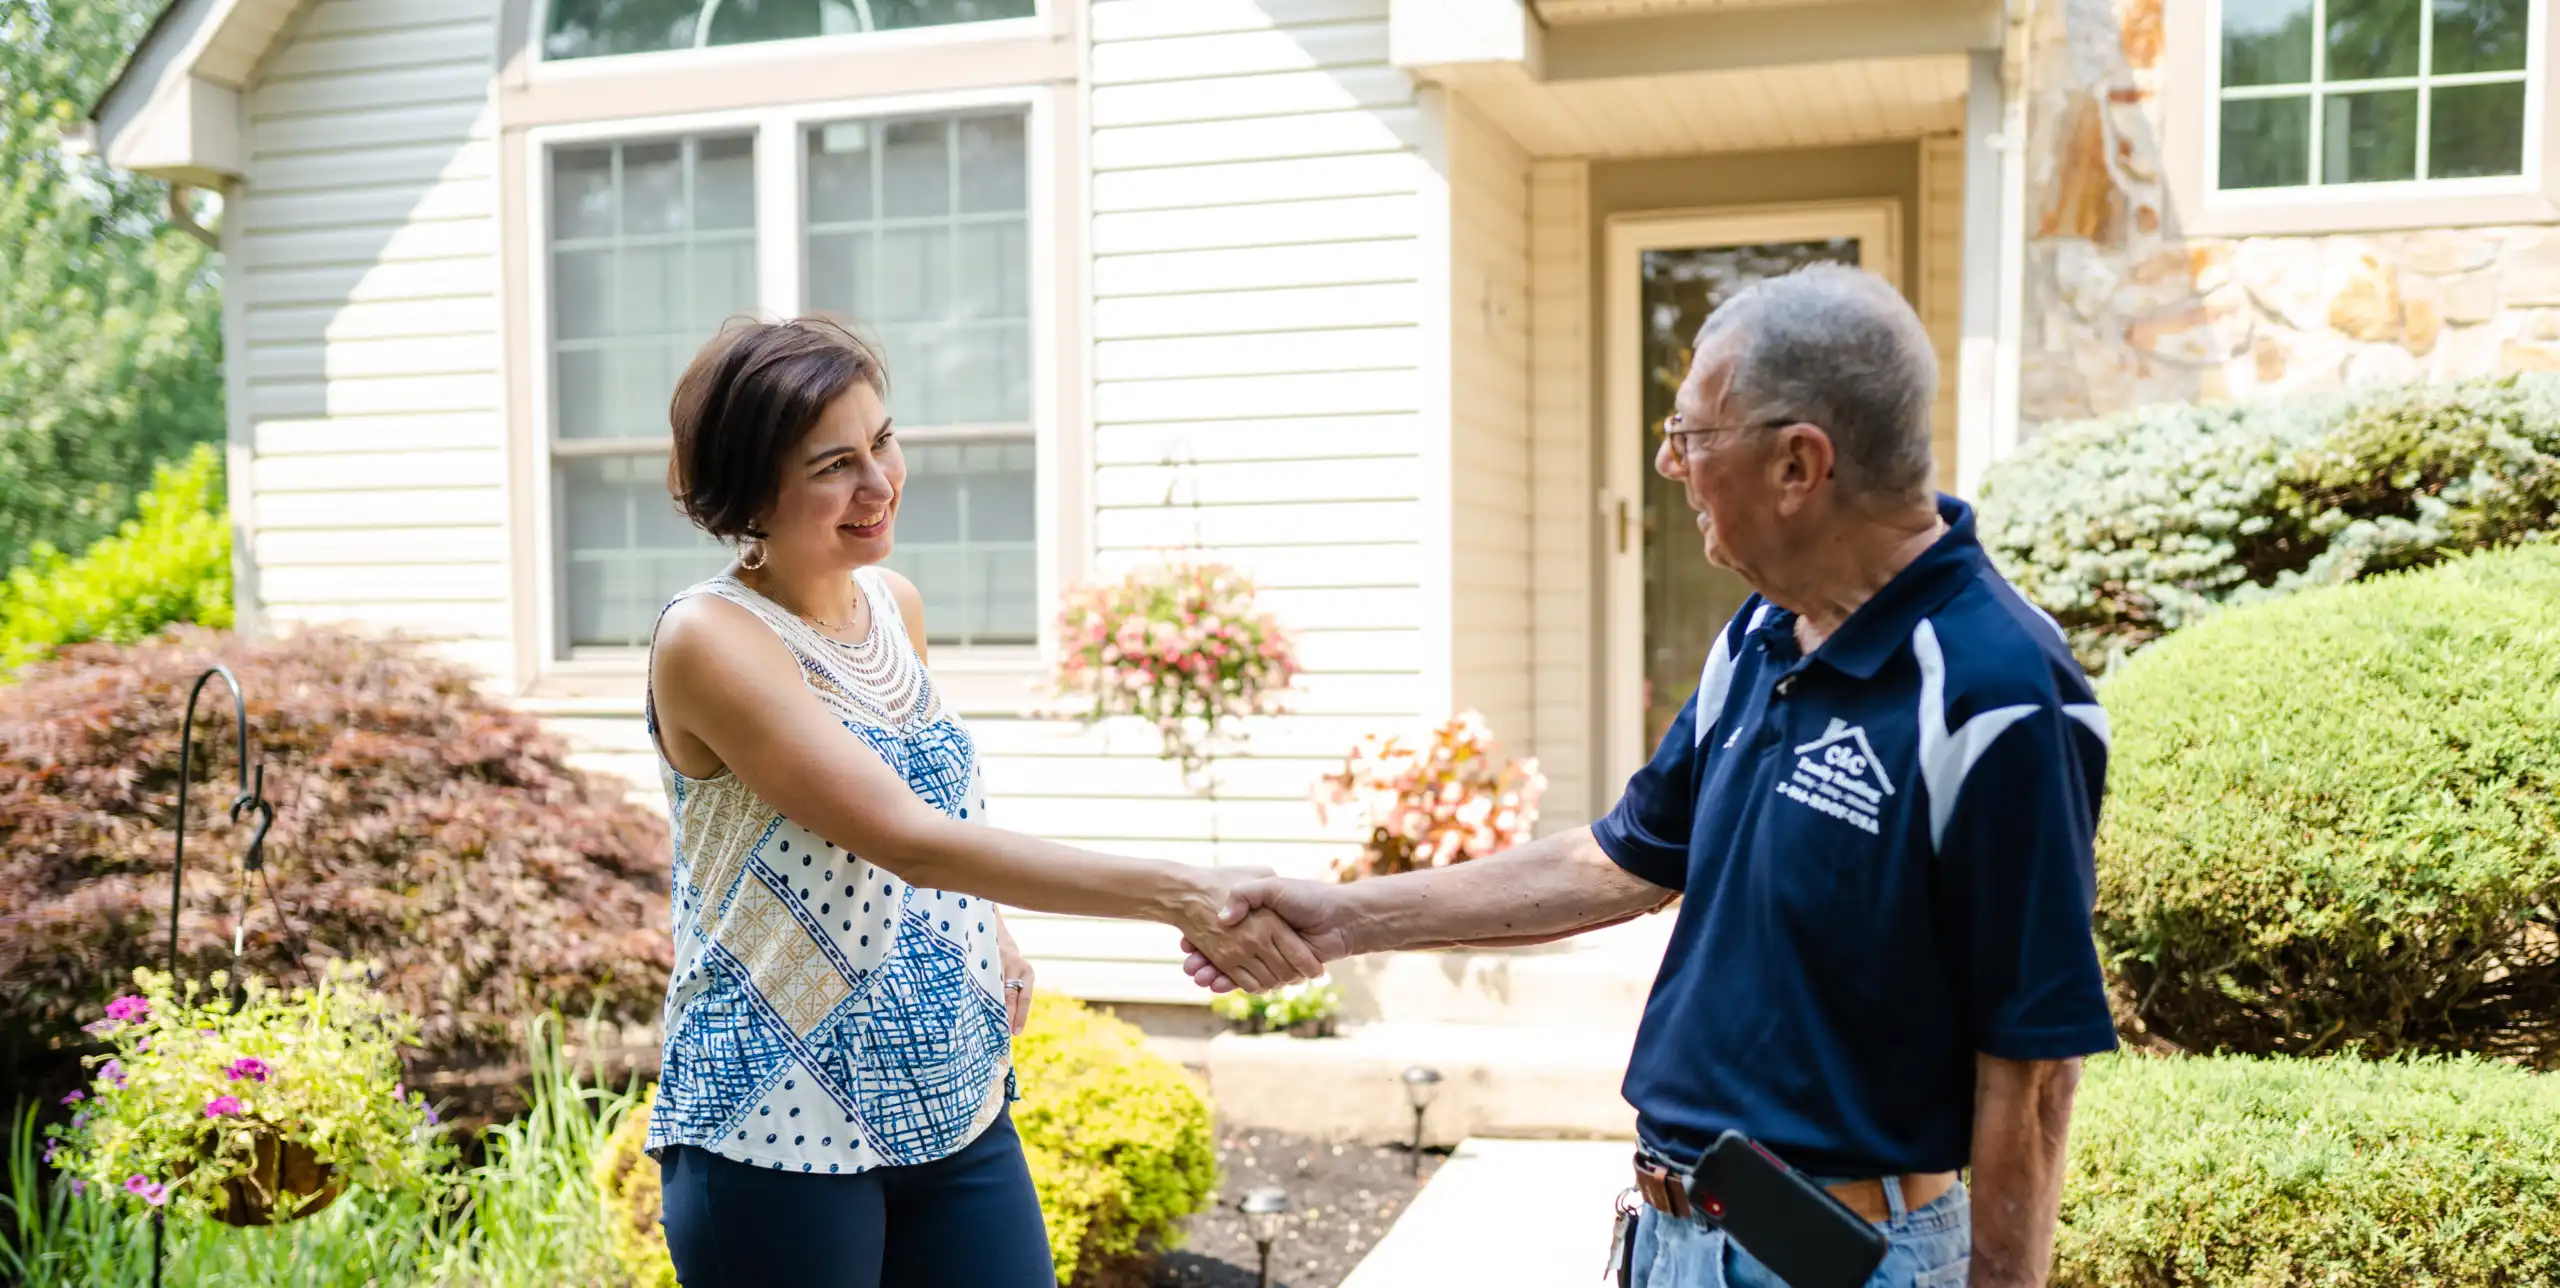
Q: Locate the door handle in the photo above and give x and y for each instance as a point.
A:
(1622, 525)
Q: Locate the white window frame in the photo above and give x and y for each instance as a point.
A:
(985, 674)
(860, 44)
(2192, 97)
(2319, 87)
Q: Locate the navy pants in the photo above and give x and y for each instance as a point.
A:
(967, 1219)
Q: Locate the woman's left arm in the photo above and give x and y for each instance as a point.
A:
(1018, 974)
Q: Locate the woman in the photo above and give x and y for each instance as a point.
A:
(830, 1110)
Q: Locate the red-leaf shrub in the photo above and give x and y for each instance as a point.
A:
(416, 821)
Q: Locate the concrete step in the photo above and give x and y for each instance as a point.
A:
(1553, 1081)
(1515, 1213)
(1597, 980)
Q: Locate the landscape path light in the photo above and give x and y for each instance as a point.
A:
(1265, 1211)
(1420, 1085)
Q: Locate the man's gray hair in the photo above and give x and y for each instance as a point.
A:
(1839, 348)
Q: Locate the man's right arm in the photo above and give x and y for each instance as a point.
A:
(1548, 889)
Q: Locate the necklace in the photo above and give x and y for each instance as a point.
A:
(811, 618)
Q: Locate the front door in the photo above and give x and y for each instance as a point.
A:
(1663, 604)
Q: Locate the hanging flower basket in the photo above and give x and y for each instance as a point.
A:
(1181, 645)
(250, 1114)
(284, 1180)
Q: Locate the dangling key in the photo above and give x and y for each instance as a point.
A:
(1622, 1251)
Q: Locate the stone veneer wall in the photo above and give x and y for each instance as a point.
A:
(2121, 310)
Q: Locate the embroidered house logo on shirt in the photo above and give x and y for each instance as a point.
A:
(1838, 774)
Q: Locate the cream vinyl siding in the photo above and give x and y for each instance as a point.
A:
(1259, 200)
(364, 291)
(1563, 571)
(1940, 243)
(1492, 620)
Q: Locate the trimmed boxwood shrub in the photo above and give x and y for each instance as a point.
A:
(2131, 526)
(2343, 1173)
(417, 822)
(2333, 820)
(1118, 1140)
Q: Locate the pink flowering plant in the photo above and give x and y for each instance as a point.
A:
(200, 1099)
(1432, 801)
(1181, 645)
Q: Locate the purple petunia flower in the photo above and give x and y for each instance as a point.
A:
(75, 1097)
(112, 1071)
(146, 1189)
(220, 1105)
(250, 1066)
(129, 1009)
(431, 1114)
(79, 1186)
(99, 1028)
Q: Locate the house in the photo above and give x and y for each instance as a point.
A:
(1373, 298)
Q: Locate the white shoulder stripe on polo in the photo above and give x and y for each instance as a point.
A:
(1715, 683)
(2093, 716)
(1947, 756)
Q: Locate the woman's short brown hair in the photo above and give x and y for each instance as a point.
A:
(745, 402)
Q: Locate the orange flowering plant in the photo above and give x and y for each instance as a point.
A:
(1444, 799)
(1181, 645)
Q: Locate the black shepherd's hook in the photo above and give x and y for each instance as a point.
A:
(252, 797)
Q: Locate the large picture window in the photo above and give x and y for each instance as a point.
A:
(593, 28)
(2324, 93)
(916, 228)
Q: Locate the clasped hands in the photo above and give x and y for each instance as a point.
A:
(1267, 933)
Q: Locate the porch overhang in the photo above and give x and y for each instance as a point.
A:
(174, 111)
(1561, 41)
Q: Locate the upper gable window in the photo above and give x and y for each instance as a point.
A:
(594, 28)
(2322, 93)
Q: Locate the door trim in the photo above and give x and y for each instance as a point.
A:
(1875, 223)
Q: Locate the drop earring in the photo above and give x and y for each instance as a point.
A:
(751, 557)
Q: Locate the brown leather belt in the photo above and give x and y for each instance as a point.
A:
(1667, 1192)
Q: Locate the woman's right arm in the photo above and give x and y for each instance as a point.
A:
(721, 678)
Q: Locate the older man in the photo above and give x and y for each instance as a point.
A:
(1879, 804)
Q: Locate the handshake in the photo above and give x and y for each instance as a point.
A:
(1265, 932)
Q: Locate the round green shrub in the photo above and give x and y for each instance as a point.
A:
(2333, 821)
(2338, 1172)
(627, 1181)
(1119, 1140)
(2131, 526)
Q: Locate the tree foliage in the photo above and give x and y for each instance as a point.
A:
(171, 563)
(110, 338)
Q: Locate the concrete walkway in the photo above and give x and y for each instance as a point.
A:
(1506, 1214)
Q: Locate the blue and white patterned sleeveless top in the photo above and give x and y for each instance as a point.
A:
(824, 1015)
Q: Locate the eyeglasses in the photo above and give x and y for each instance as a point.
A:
(1689, 443)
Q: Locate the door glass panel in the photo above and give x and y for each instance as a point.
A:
(1685, 600)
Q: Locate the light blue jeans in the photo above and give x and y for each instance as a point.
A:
(1931, 1248)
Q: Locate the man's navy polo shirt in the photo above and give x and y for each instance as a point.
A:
(1885, 852)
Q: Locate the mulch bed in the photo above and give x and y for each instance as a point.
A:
(1342, 1198)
